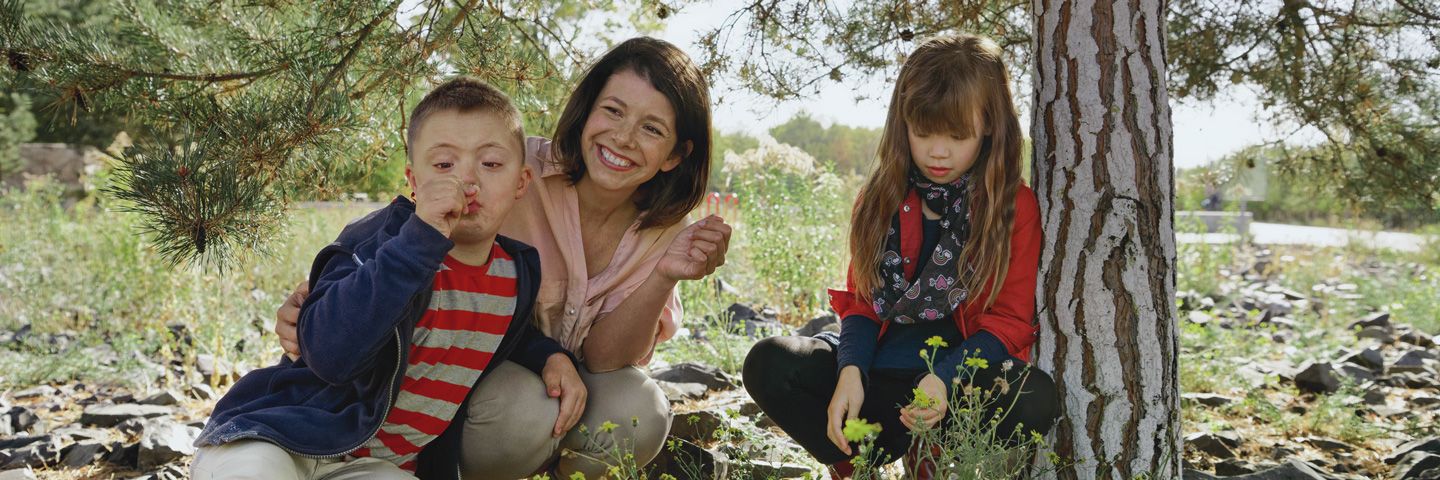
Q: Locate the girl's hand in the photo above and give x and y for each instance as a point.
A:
(697, 251)
(845, 405)
(916, 416)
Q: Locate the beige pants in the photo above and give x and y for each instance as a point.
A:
(260, 460)
(510, 418)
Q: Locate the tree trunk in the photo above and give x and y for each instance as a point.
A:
(1103, 174)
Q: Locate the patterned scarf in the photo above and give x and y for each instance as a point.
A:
(937, 292)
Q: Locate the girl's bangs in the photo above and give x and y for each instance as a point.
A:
(942, 107)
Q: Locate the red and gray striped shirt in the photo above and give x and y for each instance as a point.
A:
(468, 315)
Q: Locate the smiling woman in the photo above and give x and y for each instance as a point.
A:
(630, 159)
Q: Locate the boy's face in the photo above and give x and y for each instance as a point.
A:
(478, 148)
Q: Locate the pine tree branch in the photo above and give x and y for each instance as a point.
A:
(350, 55)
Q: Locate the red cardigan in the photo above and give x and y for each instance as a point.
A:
(1011, 318)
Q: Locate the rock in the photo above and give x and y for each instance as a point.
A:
(21, 474)
(164, 398)
(1199, 317)
(1233, 466)
(75, 433)
(202, 391)
(127, 456)
(1217, 445)
(741, 312)
(1328, 444)
(165, 440)
(1418, 465)
(44, 452)
(1291, 470)
(699, 426)
(1376, 333)
(1427, 445)
(679, 392)
(1418, 338)
(1193, 474)
(687, 461)
(1317, 377)
(1424, 401)
(825, 323)
(1414, 361)
(1377, 319)
(111, 415)
(1208, 399)
(132, 426)
(41, 391)
(749, 408)
(1357, 374)
(82, 453)
(1375, 396)
(17, 442)
(1369, 358)
(24, 420)
(711, 377)
(168, 472)
(764, 469)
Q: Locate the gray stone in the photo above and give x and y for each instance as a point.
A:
(688, 461)
(1379, 334)
(740, 312)
(1377, 319)
(825, 323)
(165, 440)
(764, 469)
(1214, 444)
(83, 453)
(1233, 466)
(20, 441)
(21, 474)
(202, 392)
(1317, 377)
(1427, 445)
(127, 456)
(38, 454)
(1369, 358)
(1414, 361)
(1424, 401)
(679, 392)
(1418, 466)
(1418, 338)
(1291, 470)
(163, 398)
(688, 372)
(1375, 396)
(1357, 374)
(1208, 399)
(699, 426)
(111, 415)
(24, 420)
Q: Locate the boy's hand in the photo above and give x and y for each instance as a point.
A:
(563, 382)
(845, 405)
(287, 320)
(441, 201)
(914, 416)
(697, 251)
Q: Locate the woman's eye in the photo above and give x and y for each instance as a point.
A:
(653, 130)
(612, 111)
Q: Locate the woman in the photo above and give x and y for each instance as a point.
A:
(629, 159)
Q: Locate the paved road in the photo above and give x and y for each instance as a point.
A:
(1281, 234)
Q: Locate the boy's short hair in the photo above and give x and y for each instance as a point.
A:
(465, 94)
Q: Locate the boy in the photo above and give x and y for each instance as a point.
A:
(408, 308)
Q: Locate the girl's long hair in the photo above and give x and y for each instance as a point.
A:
(945, 87)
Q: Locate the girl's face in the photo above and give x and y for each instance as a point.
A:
(942, 157)
(629, 136)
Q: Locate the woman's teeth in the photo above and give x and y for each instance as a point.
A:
(614, 159)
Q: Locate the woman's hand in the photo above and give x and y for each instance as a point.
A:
(927, 414)
(845, 405)
(563, 382)
(287, 320)
(697, 251)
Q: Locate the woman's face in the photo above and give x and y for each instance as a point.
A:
(629, 136)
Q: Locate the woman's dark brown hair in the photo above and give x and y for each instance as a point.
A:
(945, 87)
(667, 198)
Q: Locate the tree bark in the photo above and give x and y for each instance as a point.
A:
(1104, 177)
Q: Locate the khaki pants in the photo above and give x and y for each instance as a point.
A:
(260, 460)
(507, 432)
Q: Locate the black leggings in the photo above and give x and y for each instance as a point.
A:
(793, 378)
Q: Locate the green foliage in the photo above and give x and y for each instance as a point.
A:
(791, 234)
(17, 126)
(851, 149)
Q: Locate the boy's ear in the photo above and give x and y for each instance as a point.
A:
(410, 179)
(675, 158)
(525, 177)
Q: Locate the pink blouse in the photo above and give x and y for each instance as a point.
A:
(570, 300)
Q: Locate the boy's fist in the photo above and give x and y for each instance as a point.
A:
(441, 201)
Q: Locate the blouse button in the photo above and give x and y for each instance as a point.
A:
(907, 260)
(906, 208)
(572, 311)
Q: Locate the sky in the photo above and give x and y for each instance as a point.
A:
(1203, 132)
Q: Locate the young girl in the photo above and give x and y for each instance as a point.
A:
(944, 242)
